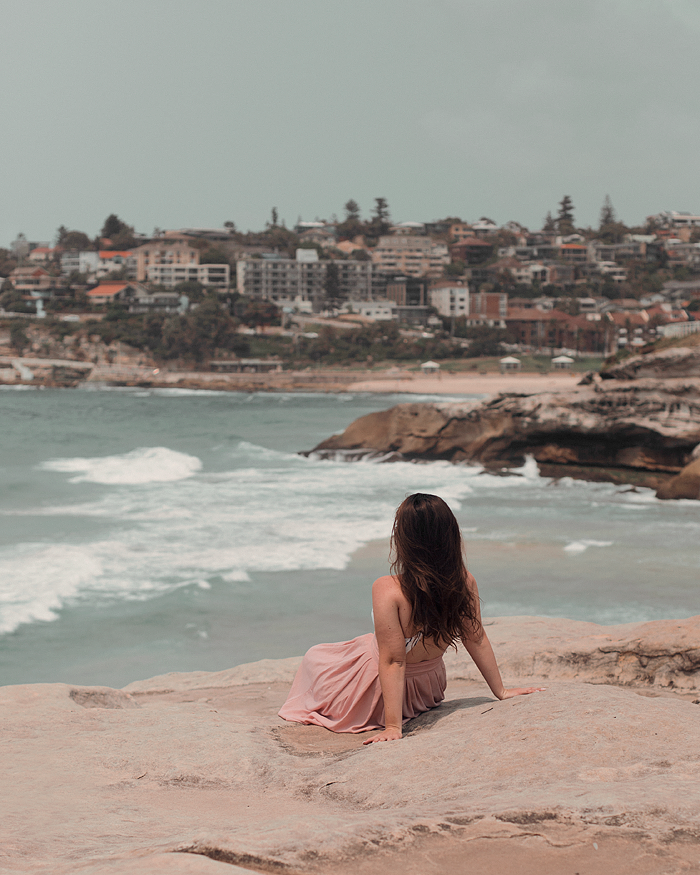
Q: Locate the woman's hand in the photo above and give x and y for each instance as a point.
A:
(520, 691)
(391, 733)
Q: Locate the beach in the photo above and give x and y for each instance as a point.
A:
(56, 373)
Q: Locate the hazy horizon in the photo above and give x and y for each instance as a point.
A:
(172, 115)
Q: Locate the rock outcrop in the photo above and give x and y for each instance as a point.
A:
(641, 432)
(679, 361)
(190, 773)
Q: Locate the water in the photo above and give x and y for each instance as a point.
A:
(152, 531)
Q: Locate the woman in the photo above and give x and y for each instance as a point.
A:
(426, 605)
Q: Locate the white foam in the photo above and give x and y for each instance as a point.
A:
(142, 465)
(282, 513)
(575, 547)
(35, 581)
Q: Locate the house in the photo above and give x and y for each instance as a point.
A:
(113, 291)
(460, 231)
(31, 278)
(471, 250)
(629, 328)
(484, 227)
(112, 261)
(42, 254)
(677, 289)
(377, 311)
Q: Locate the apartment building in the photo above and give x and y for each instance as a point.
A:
(450, 299)
(488, 308)
(411, 255)
(305, 278)
(166, 251)
(170, 275)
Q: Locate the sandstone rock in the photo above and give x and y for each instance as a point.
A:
(646, 426)
(191, 773)
(683, 485)
(675, 362)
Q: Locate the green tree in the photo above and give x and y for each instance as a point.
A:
(75, 240)
(332, 282)
(112, 226)
(213, 255)
(565, 216)
(379, 223)
(273, 217)
(549, 226)
(352, 225)
(607, 213)
(18, 337)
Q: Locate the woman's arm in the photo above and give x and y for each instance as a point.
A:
(480, 650)
(392, 657)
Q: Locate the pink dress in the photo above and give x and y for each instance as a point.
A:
(337, 686)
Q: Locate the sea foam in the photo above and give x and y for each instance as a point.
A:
(142, 465)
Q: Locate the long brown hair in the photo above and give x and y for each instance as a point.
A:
(428, 562)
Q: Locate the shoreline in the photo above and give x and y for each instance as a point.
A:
(52, 373)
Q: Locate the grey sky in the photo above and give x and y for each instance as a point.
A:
(173, 113)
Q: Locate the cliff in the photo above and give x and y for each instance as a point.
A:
(639, 431)
(195, 773)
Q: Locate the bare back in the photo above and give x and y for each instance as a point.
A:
(393, 611)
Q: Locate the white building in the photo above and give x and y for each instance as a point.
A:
(674, 219)
(450, 299)
(378, 311)
(305, 278)
(79, 262)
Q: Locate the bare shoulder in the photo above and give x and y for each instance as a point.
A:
(387, 590)
(387, 584)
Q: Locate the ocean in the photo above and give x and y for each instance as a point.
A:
(148, 531)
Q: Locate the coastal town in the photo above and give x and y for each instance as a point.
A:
(353, 292)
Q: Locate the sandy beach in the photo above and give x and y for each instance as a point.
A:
(468, 384)
(55, 372)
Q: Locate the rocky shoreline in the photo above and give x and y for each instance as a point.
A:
(195, 772)
(622, 429)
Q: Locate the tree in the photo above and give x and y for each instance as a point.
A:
(213, 255)
(549, 226)
(380, 218)
(112, 226)
(273, 217)
(565, 216)
(75, 240)
(332, 282)
(120, 235)
(230, 227)
(352, 226)
(607, 213)
(610, 230)
(18, 337)
(352, 211)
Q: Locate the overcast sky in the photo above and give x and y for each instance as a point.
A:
(173, 113)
